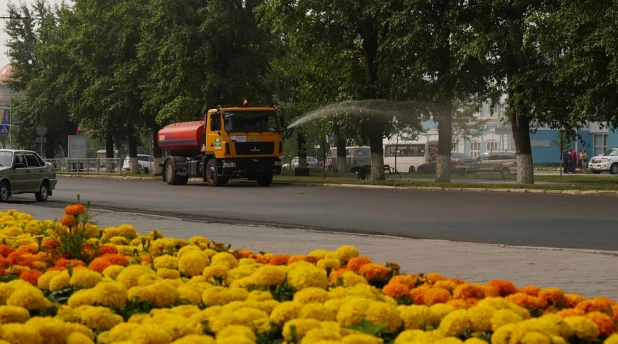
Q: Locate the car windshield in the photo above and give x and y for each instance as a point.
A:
(611, 152)
(245, 121)
(6, 158)
(460, 156)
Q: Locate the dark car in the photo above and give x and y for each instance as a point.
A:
(459, 161)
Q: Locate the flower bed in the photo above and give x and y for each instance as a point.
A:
(73, 282)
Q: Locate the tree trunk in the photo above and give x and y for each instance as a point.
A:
(132, 149)
(377, 150)
(157, 152)
(341, 155)
(520, 123)
(445, 143)
(302, 149)
(109, 146)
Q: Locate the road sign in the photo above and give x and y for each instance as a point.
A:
(41, 131)
(38, 140)
(5, 129)
(5, 116)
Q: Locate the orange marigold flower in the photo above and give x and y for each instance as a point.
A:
(4, 262)
(458, 303)
(396, 290)
(446, 284)
(491, 291)
(280, 259)
(67, 221)
(244, 253)
(551, 297)
(116, 259)
(394, 266)
(27, 249)
(5, 250)
(615, 311)
(18, 269)
(99, 264)
(63, 262)
(50, 243)
(407, 280)
(334, 275)
(31, 276)
(374, 271)
(603, 321)
(456, 280)
(418, 295)
(503, 287)
(355, 263)
(108, 248)
(468, 290)
(570, 312)
(598, 304)
(525, 300)
(434, 277)
(297, 258)
(39, 265)
(74, 209)
(571, 300)
(531, 290)
(311, 259)
(436, 295)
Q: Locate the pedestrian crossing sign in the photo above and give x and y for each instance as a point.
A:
(5, 129)
(5, 117)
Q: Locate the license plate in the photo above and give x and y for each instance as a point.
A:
(255, 139)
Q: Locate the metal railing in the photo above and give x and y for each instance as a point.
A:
(88, 166)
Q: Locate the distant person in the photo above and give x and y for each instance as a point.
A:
(566, 157)
(583, 160)
(573, 160)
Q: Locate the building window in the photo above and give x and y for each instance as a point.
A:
(491, 146)
(600, 144)
(475, 149)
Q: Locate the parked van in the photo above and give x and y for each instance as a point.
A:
(503, 162)
(356, 156)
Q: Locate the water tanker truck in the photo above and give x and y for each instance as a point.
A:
(230, 142)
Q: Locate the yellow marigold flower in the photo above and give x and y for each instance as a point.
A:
(285, 312)
(480, 318)
(166, 261)
(78, 338)
(165, 294)
(221, 296)
(352, 311)
(110, 293)
(235, 340)
(147, 279)
(175, 324)
(317, 311)
(259, 295)
(13, 314)
(99, 318)
(301, 326)
(45, 279)
(269, 275)
(127, 231)
(60, 281)
(85, 278)
(417, 336)
(215, 271)
(81, 298)
(330, 263)
(502, 303)
(303, 275)
(125, 250)
(67, 314)
(138, 318)
(12, 231)
(195, 339)
(345, 252)
(383, 312)
(242, 316)
(121, 332)
(119, 240)
(437, 312)
(613, 339)
(110, 232)
(112, 271)
(186, 292)
(360, 290)
(25, 217)
(455, 323)
(583, 327)
(129, 277)
(504, 317)
(415, 317)
(196, 240)
(267, 306)
(20, 333)
(192, 263)
(240, 272)
(319, 335)
(224, 258)
(237, 330)
(28, 297)
(361, 338)
(151, 334)
(53, 331)
(319, 254)
(311, 295)
(33, 227)
(141, 293)
(563, 328)
(6, 289)
(350, 279)
(168, 273)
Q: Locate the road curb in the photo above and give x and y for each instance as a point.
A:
(391, 187)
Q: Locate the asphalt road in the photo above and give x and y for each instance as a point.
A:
(583, 222)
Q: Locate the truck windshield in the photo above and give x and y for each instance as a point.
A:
(250, 121)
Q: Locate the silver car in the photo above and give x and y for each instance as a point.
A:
(23, 171)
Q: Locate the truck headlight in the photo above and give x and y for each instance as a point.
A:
(229, 164)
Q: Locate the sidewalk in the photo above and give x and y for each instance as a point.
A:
(590, 273)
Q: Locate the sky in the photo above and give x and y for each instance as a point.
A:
(4, 8)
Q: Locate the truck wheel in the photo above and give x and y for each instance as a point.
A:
(170, 173)
(411, 170)
(212, 176)
(265, 181)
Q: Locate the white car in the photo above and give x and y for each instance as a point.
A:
(145, 163)
(312, 163)
(606, 162)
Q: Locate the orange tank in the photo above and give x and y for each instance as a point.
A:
(182, 139)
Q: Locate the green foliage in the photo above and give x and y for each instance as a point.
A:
(134, 306)
(61, 296)
(282, 293)
(366, 327)
(272, 336)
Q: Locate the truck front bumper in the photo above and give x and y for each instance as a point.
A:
(250, 168)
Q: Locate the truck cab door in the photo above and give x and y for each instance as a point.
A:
(213, 133)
